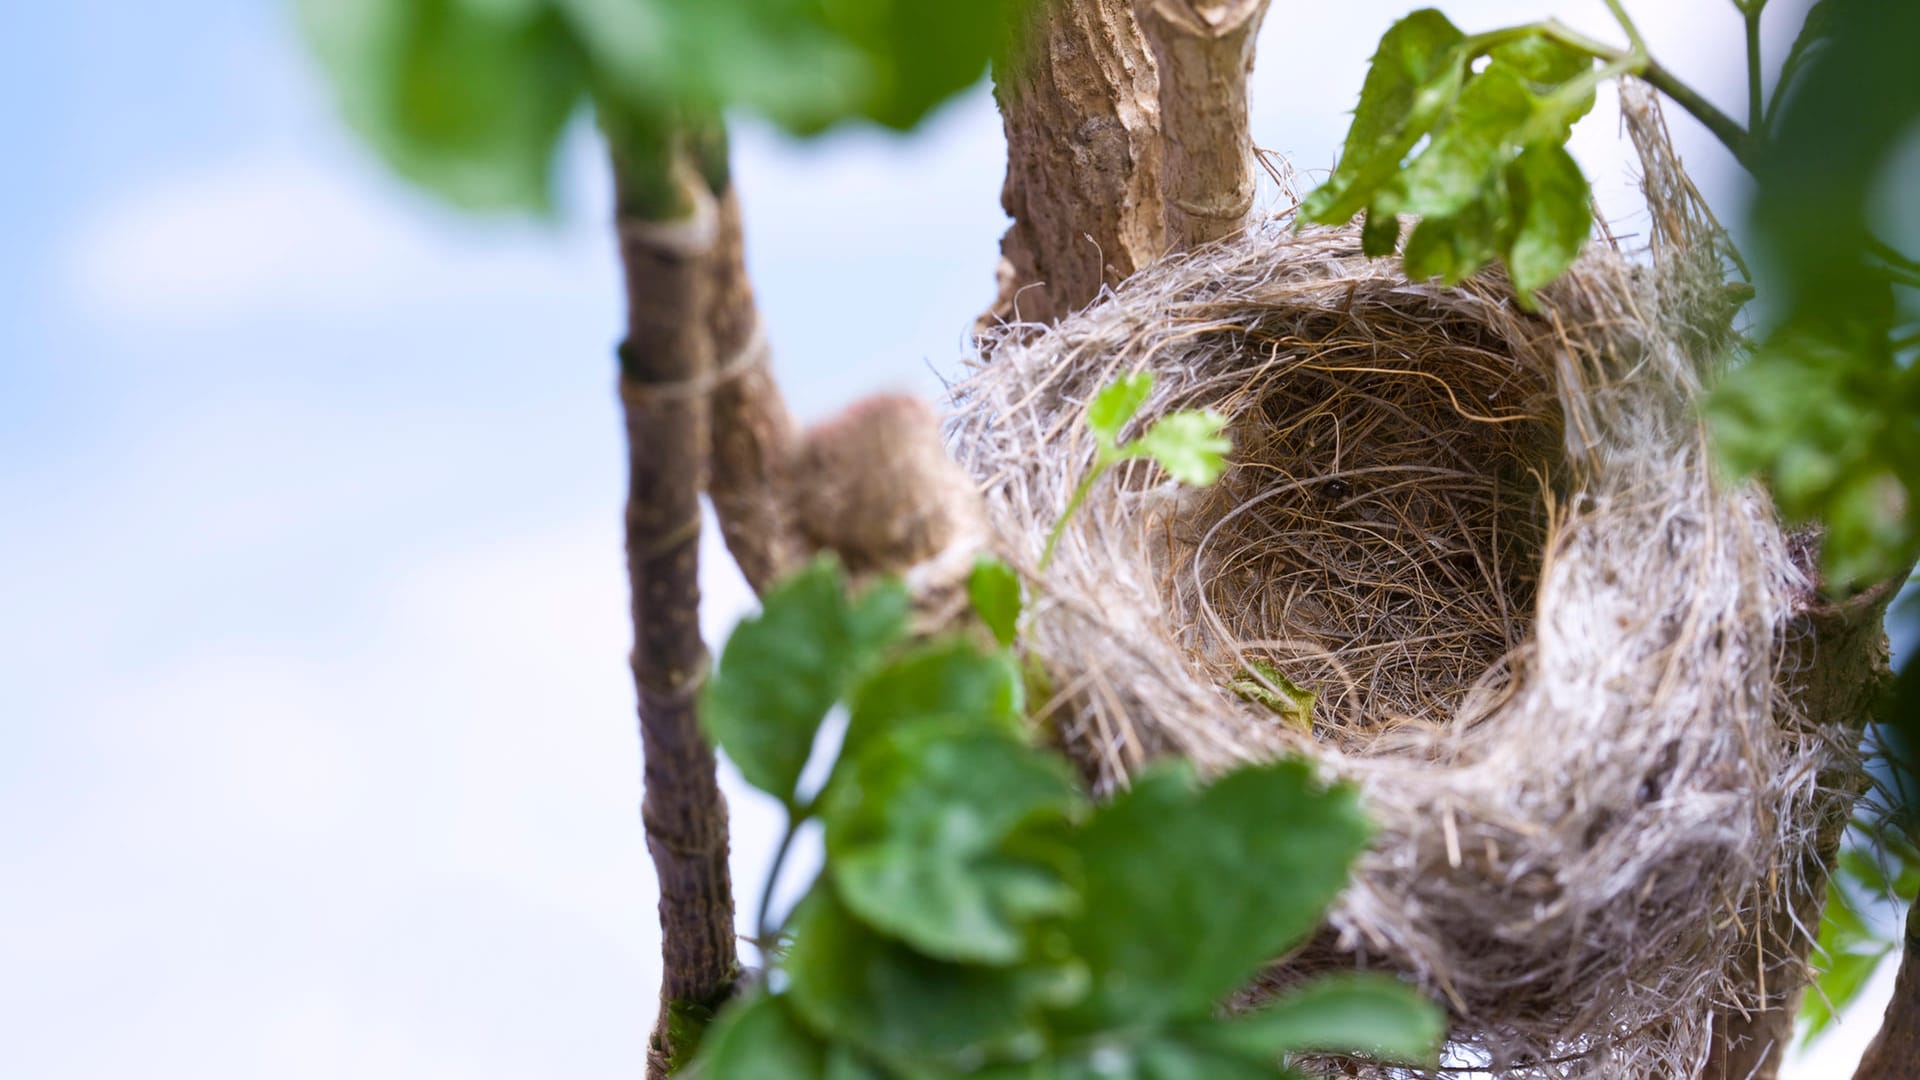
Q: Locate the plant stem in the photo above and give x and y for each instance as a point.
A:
(1731, 135)
(1756, 107)
(769, 932)
(1079, 496)
(1626, 23)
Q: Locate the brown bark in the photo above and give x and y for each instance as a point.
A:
(1079, 102)
(665, 363)
(1839, 662)
(753, 432)
(1894, 1053)
(1204, 52)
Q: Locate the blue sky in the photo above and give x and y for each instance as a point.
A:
(319, 756)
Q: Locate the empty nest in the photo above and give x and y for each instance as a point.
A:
(1542, 637)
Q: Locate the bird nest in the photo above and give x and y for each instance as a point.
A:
(1541, 636)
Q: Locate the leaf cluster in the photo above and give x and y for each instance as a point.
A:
(1469, 133)
(976, 915)
(470, 98)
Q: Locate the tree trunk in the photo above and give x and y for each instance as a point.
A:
(665, 366)
(1204, 50)
(1894, 1053)
(1080, 103)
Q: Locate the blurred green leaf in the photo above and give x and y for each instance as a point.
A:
(1194, 888)
(945, 679)
(1834, 424)
(468, 98)
(1366, 1014)
(853, 985)
(783, 669)
(1115, 404)
(1189, 445)
(1815, 29)
(917, 836)
(760, 1037)
(994, 589)
(1415, 73)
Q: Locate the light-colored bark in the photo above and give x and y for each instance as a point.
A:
(1080, 104)
(1204, 52)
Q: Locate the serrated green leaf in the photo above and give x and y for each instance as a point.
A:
(917, 839)
(464, 97)
(1454, 248)
(1467, 151)
(760, 1037)
(1543, 62)
(1264, 684)
(783, 669)
(1188, 445)
(950, 679)
(1115, 404)
(1195, 888)
(1364, 1014)
(853, 985)
(1414, 74)
(1553, 214)
(994, 589)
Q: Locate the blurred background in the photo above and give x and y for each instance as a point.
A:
(319, 753)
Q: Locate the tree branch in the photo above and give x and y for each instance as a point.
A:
(1204, 51)
(666, 362)
(1894, 1053)
(1079, 104)
(1839, 660)
(753, 432)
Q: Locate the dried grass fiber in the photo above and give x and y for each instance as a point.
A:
(1547, 643)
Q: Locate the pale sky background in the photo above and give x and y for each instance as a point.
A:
(320, 758)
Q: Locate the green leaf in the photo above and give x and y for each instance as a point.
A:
(1380, 234)
(1815, 30)
(1415, 73)
(1453, 248)
(1194, 889)
(468, 98)
(853, 985)
(1115, 404)
(1468, 150)
(994, 588)
(917, 835)
(947, 679)
(1189, 445)
(1263, 684)
(1346, 1014)
(760, 1037)
(1554, 215)
(1544, 63)
(783, 669)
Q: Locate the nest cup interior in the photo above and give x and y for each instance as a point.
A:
(1378, 537)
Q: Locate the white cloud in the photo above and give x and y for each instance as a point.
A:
(277, 234)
